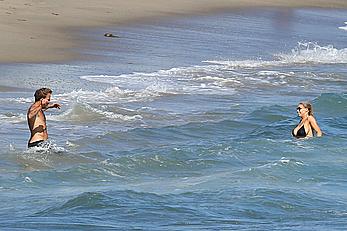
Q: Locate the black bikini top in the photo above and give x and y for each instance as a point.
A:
(301, 133)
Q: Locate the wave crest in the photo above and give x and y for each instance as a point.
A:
(83, 112)
(310, 52)
(303, 53)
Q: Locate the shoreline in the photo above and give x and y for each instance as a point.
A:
(47, 31)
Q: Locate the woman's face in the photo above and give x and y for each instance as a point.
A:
(301, 110)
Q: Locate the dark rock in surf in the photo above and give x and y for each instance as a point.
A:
(110, 35)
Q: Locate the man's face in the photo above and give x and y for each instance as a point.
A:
(46, 100)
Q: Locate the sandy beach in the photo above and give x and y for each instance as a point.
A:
(45, 30)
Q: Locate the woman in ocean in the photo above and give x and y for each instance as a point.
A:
(307, 123)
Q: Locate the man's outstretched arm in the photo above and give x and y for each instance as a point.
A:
(53, 105)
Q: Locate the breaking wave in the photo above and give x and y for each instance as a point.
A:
(303, 53)
(86, 113)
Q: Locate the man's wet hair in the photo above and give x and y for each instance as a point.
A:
(42, 93)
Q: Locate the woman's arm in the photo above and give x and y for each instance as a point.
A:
(314, 125)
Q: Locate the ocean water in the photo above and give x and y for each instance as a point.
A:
(184, 124)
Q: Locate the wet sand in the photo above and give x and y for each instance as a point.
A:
(46, 30)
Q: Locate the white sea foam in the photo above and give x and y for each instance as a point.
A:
(206, 79)
(115, 94)
(313, 53)
(304, 53)
(77, 105)
(46, 155)
(284, 160)
(97, 78)
(274, 73)
(70, 144)
(343, 27)
(147, 86)
(82, 96)
(20, 100)
(28, 179)
(114, 116)
(48, 146)
(85, 112)
(214, 77)
(246, 63)
(12, 118)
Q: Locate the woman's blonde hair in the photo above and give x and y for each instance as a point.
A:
(309, 107)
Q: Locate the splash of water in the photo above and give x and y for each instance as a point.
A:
(303, 53)
(310, 52)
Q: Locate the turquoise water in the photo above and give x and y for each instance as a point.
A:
(184, 124)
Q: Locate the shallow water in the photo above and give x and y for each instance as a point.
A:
(184, 124)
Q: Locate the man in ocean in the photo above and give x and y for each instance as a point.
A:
(37, 119)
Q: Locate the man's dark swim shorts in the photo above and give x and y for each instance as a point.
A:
(36, 144)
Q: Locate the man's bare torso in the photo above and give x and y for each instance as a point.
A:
(37, 126)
